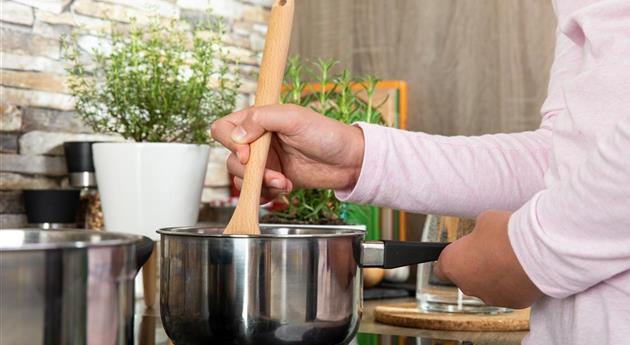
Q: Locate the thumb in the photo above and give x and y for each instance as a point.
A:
(272, 118)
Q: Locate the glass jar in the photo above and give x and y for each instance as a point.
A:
(435, 295)
(90, 212)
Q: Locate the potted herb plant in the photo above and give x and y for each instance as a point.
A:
(160, 86)
(339, 96)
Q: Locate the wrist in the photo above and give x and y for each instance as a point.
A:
(356, 149)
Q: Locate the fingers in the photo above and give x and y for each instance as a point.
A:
(274, 118)
(221, 131)
(222, 128)
(267, 194)
(240, 128)
(271, 179)
(234, 166)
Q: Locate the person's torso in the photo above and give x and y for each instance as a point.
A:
(588, 97)
(599, 315)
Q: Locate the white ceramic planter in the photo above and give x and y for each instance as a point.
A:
(147, 186)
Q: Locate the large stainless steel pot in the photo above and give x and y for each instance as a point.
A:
(288, 285)
(68, 286)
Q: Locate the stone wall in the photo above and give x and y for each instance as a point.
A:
(37, 111)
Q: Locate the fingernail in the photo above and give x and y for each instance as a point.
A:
(275, 183)
(238, 134)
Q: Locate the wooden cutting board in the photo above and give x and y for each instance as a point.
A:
(408, 315)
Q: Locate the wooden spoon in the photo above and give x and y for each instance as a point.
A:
(245, 217)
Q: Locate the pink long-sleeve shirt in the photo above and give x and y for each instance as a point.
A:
(568, 182)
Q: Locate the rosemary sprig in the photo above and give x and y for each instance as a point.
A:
(336, 98)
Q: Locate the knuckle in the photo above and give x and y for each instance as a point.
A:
(255, 115)
(232, 163)
(269, 194)
(214, 128)
(293, 108)
(446, 267)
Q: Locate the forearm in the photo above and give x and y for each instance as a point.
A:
(450, 175)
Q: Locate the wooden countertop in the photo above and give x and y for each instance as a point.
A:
(368, 325)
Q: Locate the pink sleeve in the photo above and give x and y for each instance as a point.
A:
(577, 233)
(462, 176)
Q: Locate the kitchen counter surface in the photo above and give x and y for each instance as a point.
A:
(368, 325)
(149, 331)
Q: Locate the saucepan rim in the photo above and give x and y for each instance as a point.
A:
(104, 239)
(310, 231)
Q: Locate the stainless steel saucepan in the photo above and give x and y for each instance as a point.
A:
(60, 287)
(288, 285)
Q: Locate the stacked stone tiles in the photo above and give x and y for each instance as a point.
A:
(35, 107)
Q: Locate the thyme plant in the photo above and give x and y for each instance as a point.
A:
(313, 85)
(157, 83)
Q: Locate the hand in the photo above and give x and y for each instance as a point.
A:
(308, 150)
(483, 264)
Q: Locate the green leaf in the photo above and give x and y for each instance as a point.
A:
(159, 83)
(340, 103)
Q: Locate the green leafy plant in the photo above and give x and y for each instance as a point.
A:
(155, 83)
(341, 97)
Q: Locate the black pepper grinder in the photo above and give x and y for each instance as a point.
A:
(52, 208)
(82, 175)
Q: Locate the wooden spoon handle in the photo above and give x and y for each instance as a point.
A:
(149, 278)
(245, 217)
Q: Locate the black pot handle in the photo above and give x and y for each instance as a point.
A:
(392, 254)
(144, 248)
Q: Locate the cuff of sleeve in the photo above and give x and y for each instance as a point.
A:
(524, 232)
(371, 171)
